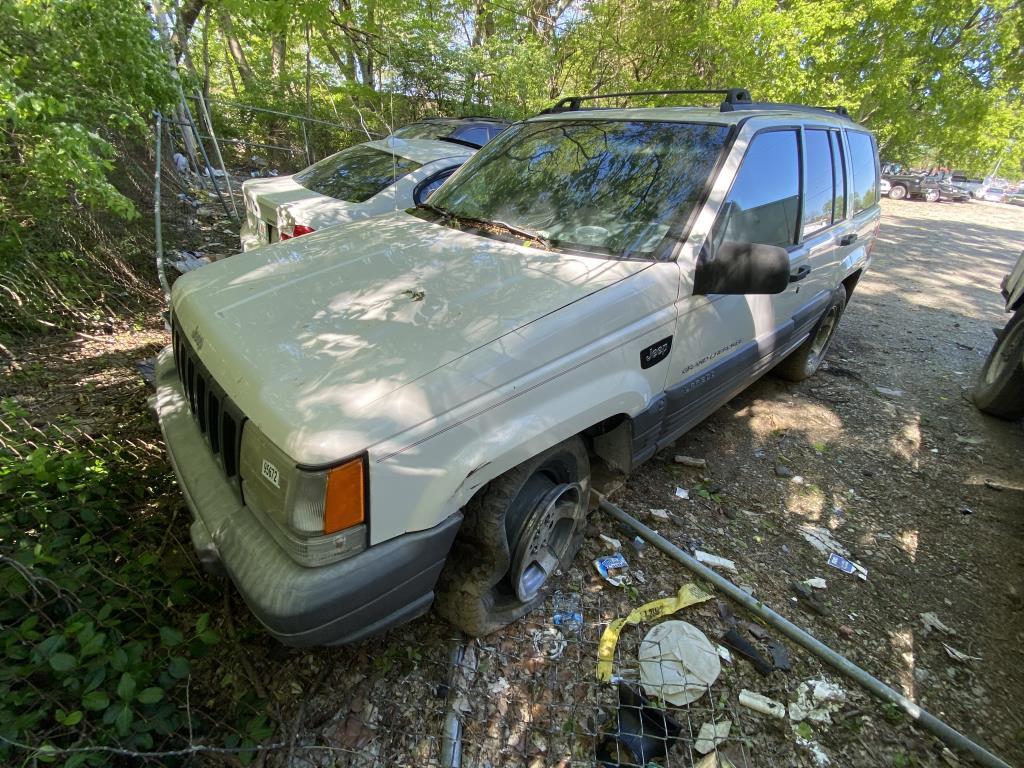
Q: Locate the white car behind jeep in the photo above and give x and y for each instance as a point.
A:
(407, 409)
(363, 181)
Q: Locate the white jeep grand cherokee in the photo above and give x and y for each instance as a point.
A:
(406, 409)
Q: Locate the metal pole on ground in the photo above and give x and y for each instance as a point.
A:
(926, 720)
(216, 149)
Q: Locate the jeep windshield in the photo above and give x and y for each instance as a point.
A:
(355, 174)
(618, 188)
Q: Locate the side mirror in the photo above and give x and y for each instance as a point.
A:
(741, 268)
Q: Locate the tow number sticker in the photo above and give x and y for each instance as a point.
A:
(270, 472)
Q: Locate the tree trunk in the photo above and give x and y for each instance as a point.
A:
(345, 63)
(278, 51)
(237, 53)
(186, 19)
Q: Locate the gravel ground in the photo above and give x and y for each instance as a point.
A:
(881, 448)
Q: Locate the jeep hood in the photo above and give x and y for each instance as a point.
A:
(313, 337)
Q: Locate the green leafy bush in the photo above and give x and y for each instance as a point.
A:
(98, 606)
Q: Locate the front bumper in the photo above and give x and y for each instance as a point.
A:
(388, 584)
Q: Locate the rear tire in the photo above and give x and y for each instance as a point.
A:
(1000, 388)
(805, 360)
(897, 192)
(519, 530)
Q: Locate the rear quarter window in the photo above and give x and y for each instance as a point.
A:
(355, 174)
(864, 159)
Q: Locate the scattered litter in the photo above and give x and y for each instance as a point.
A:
(714, 560)
(781, 470)
(762, 704)
(642, 731)
(822, 540)
(780, 655)
(756, 630)
(682, 493)
(798, 479)
(689, 461)
(638, 545)
(190, 260)
(816, 700)
(688, 594)
(848, 566)
(498, 687)
(970, 440)
(613, 569)
(711, 735)
(725, 613)
(147, 370)
(889, 392)
(715, 760)
(735, 641)
(549, 643)
(808, 599)
(960, 656)
(566, 612)
(613, 543)
(931, 622)
(816, 583)
(723, 654)
(678, 662)
(660, 514)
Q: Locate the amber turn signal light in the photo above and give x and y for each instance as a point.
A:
(344, 502)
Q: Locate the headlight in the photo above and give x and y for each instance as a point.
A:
(317, 515)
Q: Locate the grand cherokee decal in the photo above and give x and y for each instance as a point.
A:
(655, 353)
(709, 358)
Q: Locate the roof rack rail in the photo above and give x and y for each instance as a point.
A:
(839, 110)
(736, 96)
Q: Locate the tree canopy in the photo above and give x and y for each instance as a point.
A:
(939, 82)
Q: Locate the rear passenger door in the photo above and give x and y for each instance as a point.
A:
(813, 254)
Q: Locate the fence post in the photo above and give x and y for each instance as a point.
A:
(206, 159)
(216, 149)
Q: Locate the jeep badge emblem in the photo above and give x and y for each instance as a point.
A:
(655, 353)
(197, 338)
(270, 472)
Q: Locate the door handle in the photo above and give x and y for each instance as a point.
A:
(800, 274)
(848, 239)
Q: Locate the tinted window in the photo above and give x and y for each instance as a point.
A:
(425, 191)
(425, 130)
(839, 164)
(355, 174)
(475, 134)
(819, 193)
(864, 160)
(764, 200)
(608, 187)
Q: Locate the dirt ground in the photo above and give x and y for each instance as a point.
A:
(882, 449)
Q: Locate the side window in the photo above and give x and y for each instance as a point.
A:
(764, 201)
(428, 188)
(864, 160)
(819, 192)
(839, 165)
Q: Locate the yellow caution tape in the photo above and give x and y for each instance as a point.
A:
(688, 594)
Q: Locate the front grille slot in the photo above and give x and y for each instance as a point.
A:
(217, 417)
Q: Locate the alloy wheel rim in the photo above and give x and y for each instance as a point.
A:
(545, 539)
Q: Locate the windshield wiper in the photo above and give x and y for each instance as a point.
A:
(436, 209)
(529, 234)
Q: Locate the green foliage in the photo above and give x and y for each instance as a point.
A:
(77, 73)
(97, 606)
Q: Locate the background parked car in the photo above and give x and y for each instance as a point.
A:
(363, 181)
(902, 186)
(996, 195)
(947, 189)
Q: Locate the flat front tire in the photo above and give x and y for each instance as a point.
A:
(519, 531)
(805, 360)
(1000, 388)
